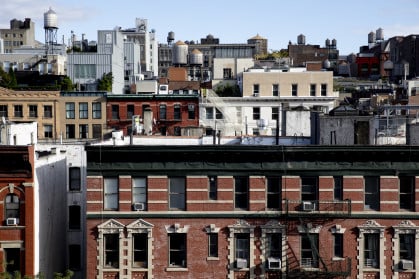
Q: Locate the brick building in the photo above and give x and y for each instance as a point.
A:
(169, 114)
(252, 212)
(17, 230)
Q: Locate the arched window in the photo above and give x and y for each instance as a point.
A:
(12, 206)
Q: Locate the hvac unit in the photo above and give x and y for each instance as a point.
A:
(309, 206)
(406, 264)
(138, 206)
(274, 263)
(12, 221)
(241, 263)
(370, 263)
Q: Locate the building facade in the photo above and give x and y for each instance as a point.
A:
(18, 230)
(20, 33)
(153, 114)
(258, 212)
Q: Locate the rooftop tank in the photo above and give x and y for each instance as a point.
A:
(50, 19)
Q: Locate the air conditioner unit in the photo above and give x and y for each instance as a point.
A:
(255, 94)
(274, 263)
(241, 263)
(370, 263)
(309, 206)
(138, 206)
(12, 221)
(406, 264)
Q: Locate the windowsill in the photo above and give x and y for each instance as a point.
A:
(177, 269)
(213, 258)
(337, 259)
(370, 268)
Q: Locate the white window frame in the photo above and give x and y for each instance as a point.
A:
(404, 227)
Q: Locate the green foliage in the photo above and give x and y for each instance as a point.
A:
(66, 84)
(105, 83)
(67, 275)
(228, 90)
(273, 55)
(6, 80)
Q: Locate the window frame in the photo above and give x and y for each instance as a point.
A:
(70, 110)
(273, 196)
(256, 113)
(213, 245)
(96, 110)
(139, 190)
(177, 193)
(407, 185)
(111, 250)
(139, 252)
(83, 110)
(177, 248)
(275, 89)
(18, 111)
(177, 112)
(313, 260)
(48, 111)
(74, 217)
(163, 111)
(111, 192)
(372, 192)
(12, 206)
(294, 89)
(241, 193)
(33, 110)
(74, 178)
(212, 187)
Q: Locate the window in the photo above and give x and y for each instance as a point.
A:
(74, 217)
(275, 245)
(176, 112)
(84, 71)
(115, 111)
(96, 110)
(309, 248)
(212, 187)
(3, 110)
(18, 111)
(275, 90)
(12, 206)
(372, 193)
(111, 251)
(209, 113)
(139, 190)
(213, 245)
(255, 89)
(48, 111)
(241, 193)
(256, 113)
(48, 131)
(371, 250)
(70, 110)
(83, 111)
(407, 192)
(177, 193)
(33, 111)
(273, 192)
(242, 249)
(177, 250)
(312, 90)
(74, 257)
(191, 111)
(83, 131)
(309, 188)
(12, 258)
(140, 249)
(111, 194)
(275, 113)
(338, 245)
(162, 112)
(407, 247)
(323, 90)
(227, 73)
(74, 179)
(294, 89)
(130, 111)
(218, 114)
(70, 131)
(97, 131)
(338, 188)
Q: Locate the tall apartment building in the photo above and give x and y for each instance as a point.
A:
(20, 33)
(252, 212)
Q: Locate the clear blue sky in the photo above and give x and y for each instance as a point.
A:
(349, 22)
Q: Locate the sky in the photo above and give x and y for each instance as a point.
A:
(348, 22)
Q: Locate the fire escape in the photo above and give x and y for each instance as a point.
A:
(305, 218)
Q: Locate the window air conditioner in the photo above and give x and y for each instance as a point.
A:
(309, 206)
(12, 221)
(406, 264)
(138, 206)
(241, 263)
(274, 263)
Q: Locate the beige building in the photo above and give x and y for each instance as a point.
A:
(61, 116)
(82, 115)
(20, 33)
(31, 106)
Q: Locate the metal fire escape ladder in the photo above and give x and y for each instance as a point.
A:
(314, 249)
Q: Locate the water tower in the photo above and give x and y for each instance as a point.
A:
(50, 27)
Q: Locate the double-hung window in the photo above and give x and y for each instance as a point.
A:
(111, 194)
(177, 192)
